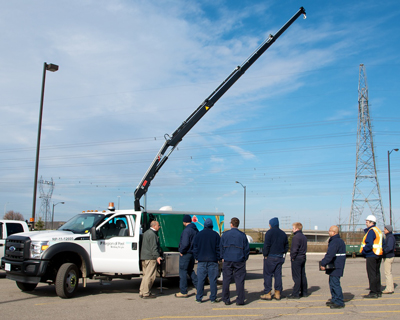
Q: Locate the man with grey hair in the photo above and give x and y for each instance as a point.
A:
(150, 255)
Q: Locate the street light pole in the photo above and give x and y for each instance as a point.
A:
(52, 214)
(244, 207)
(390, 191)
(50, 67)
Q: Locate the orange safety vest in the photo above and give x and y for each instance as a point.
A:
(377, 245)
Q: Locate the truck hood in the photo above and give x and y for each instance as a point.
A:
(51, 235)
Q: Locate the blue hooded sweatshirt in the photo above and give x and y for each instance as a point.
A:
(206, 244)
(276, 242)
(187, 237)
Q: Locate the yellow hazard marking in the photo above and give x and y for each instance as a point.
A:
(207, 107)
(269, 308)
(310, 314)
(202, 317)
(315, 307)
(383, 311)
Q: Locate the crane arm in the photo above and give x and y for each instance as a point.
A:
(171, 142)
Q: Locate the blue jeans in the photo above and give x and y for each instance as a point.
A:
(186, 265)
(204, 269)
(336, 290)
(273, 268)
(236, 270)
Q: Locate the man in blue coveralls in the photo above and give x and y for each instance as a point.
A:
(235, 251)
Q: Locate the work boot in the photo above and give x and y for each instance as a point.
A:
(277, 295)
(266, 296)
(181, 295)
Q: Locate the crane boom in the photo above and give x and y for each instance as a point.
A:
(171, 142)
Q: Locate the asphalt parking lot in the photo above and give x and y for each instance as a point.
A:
(119, 299)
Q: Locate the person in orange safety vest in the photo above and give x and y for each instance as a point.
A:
(372, 250)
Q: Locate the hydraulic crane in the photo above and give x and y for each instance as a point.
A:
(171, 142)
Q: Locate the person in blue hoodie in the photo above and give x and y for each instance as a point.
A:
(186, 259)
(206, 251)
(235, 251)
(336, 256)
(276, 246)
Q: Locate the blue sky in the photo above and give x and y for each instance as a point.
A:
(132, 71)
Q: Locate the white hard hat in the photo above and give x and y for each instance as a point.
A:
(371, 218)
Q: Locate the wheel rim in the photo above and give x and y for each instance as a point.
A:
(71, 281)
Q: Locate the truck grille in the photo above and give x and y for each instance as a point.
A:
(17, 248)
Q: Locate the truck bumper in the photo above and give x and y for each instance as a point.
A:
(28, 271)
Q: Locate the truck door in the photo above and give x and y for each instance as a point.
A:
(2, 241)
(117, 248)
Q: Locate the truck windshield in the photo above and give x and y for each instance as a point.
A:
(82, 222)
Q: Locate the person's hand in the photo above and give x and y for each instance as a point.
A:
(159, 259)
(323, 268)
(181, 254)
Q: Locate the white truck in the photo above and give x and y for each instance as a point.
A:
(106, 244)
(94, 245)
(9, 227)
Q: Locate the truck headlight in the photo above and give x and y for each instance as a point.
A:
(37, 249)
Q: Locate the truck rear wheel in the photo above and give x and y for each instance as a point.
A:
(23, 286)
(67, 280)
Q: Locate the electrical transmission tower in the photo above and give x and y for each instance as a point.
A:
(45, 211)
(366, 189)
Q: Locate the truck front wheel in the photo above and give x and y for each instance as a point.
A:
(67, 280)
(23, 286)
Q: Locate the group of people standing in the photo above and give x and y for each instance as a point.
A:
(232, 248)
(207, 247)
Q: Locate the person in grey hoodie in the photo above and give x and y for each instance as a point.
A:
(388, 258)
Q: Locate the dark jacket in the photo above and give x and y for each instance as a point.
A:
(150, 246)
(336, 254)
(299, 246)
(276, 242)
(390, 243)
(234, 246)
(206, 244)
(187, 236)
(369, 241)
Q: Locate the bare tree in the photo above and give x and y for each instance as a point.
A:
(12, 215)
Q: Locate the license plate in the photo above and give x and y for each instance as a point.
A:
(7, 267)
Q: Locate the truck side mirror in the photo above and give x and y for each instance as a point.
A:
(93, 233)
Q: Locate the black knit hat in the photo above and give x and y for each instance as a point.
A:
(187, 218)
